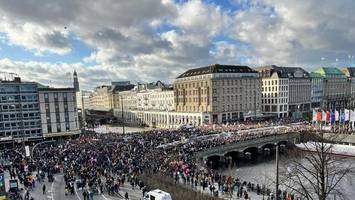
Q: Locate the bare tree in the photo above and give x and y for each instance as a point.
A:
(315, 173)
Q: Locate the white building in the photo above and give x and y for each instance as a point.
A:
(156, 99)
(145, 104)
(286, 91)
(83, 100)
(83, 103)
(59, 114)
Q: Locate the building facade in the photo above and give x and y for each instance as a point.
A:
(145, 104)
(102, 98)
(286, 91)
(83, 104)
(19, 110)
(223, 93)
(336, 88)
(317, 90)
(59, 114)
(350, 73)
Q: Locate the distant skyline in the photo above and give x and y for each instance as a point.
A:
(150, 40)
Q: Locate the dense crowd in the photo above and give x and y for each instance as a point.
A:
(102, 163)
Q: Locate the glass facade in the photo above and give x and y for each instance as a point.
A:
(19, 110)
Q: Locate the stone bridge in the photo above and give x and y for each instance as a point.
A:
(252, 146)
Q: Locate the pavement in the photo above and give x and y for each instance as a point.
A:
(56, 191)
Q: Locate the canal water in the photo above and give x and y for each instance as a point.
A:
(262, 171)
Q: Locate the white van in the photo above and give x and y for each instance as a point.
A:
(157, 195)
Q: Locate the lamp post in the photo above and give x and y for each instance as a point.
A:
(277, 173)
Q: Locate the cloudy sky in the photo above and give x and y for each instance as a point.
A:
(149, 40)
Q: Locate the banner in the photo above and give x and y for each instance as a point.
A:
(336, 115)
(347, 114)
(327, 117)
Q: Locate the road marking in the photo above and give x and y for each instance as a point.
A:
(76, 192)
(105, 197)
(52, 189)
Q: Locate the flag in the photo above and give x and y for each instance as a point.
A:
(324, 116)
(347, 114)
(319, 116)
(342, 117)
(336, 115)
(332, 118)
(352, 116)
(327, 117)
(314, 115)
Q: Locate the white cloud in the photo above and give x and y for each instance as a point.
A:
(127, 44)
(297, 32)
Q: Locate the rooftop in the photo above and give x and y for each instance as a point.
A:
(283, 72)
(349, 71)
(217, 68)
(330, 71)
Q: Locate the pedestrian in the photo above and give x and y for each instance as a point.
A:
(44, 189)
(126, 195)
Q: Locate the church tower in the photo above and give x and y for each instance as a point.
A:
(76, 82)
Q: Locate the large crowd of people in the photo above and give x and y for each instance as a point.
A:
(102, 163)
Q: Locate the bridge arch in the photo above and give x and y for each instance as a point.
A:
(269, 146)
(283, 142)
(250, 152)
(235, 154)
(214, 160)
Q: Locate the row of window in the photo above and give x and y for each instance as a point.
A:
(274, 88)
(19, 116)
(37, 132)
(274, 82)
(58, 127)
(19, 107)
(19, 125)
(273, 108)
(282, 94)
(273, 101)
(32, 88)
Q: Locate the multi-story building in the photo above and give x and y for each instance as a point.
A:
(336, 88)
(31, 111)
(58, 111)
(350, 73)
(102, 98)
(145, 103)
(19, 110)
(317, 90)
(83, 104)
(286, 91)
(224, 93)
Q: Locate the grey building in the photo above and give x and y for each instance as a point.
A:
(58, 111)
(19, 110)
